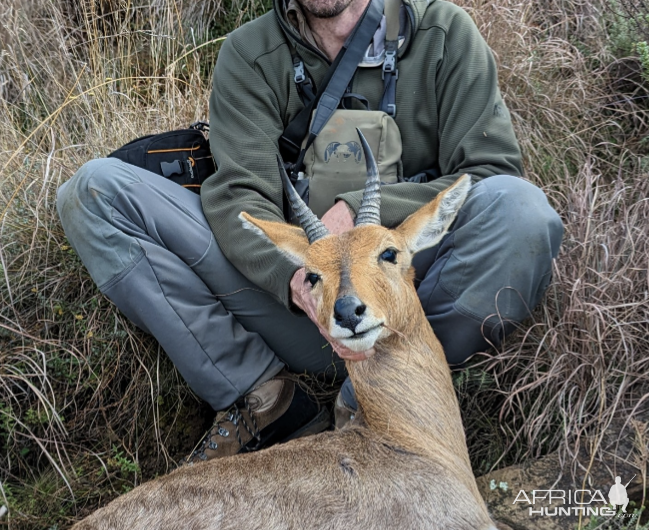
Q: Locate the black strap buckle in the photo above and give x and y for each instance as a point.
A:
(298, 68)
(171, 168)
(390, 64)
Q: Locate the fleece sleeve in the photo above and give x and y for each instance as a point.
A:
(246, 123)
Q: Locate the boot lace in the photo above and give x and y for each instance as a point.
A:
(234, 416)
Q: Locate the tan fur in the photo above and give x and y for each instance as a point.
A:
(404, 466)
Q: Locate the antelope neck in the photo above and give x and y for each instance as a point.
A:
(407, 397)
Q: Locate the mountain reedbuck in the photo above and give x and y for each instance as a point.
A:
(403, 463)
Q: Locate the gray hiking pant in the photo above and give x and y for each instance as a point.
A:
(149, 248)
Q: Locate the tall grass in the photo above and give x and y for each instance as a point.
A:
(582, 117)
(89, 406)
(82, 393)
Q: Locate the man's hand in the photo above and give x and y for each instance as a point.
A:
(301, 296)
(338, 218)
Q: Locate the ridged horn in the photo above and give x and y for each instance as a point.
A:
(370, 211)
(309, 222)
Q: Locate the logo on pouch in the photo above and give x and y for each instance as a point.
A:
(343, 152)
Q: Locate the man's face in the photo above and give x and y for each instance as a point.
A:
(324, 8)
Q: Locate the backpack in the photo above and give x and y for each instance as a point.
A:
(182, 156)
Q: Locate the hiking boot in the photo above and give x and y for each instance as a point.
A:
(344, 414)
(276, 411)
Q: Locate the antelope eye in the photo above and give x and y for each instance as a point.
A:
(389, 255)
(312, 278)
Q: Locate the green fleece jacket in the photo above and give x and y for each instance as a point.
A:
(449, 111)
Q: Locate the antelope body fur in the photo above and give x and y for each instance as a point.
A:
(403, 464)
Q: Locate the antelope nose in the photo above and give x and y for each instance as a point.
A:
(348, 312)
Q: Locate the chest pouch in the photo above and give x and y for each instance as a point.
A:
(334, 164)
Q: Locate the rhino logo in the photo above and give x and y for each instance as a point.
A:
(343, 152)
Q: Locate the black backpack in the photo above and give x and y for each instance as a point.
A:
(182, 156)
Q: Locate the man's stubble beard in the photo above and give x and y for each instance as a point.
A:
(325, 8)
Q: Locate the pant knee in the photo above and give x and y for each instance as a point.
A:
(92, 188)
(103, 175)
(497, 262)
(84, 205)
(524, 213)
(95, 172)
(98, 167)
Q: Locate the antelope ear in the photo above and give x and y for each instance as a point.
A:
(291, 240)
(426, 227)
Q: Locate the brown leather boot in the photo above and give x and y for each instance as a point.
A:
(276, 411)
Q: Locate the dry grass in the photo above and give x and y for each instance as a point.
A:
(584, 132)
(89, 406)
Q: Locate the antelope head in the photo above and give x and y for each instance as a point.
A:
(362, 280)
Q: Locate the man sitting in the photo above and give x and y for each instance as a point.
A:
(233, 313)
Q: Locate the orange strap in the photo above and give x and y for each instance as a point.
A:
(174, 150)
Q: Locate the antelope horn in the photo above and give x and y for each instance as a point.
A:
(309, 222)
(370, 211)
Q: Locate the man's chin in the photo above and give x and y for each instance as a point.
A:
(328, 9)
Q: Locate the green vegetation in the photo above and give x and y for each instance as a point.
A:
(622, 521)
(90, 406)
(642, 49)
